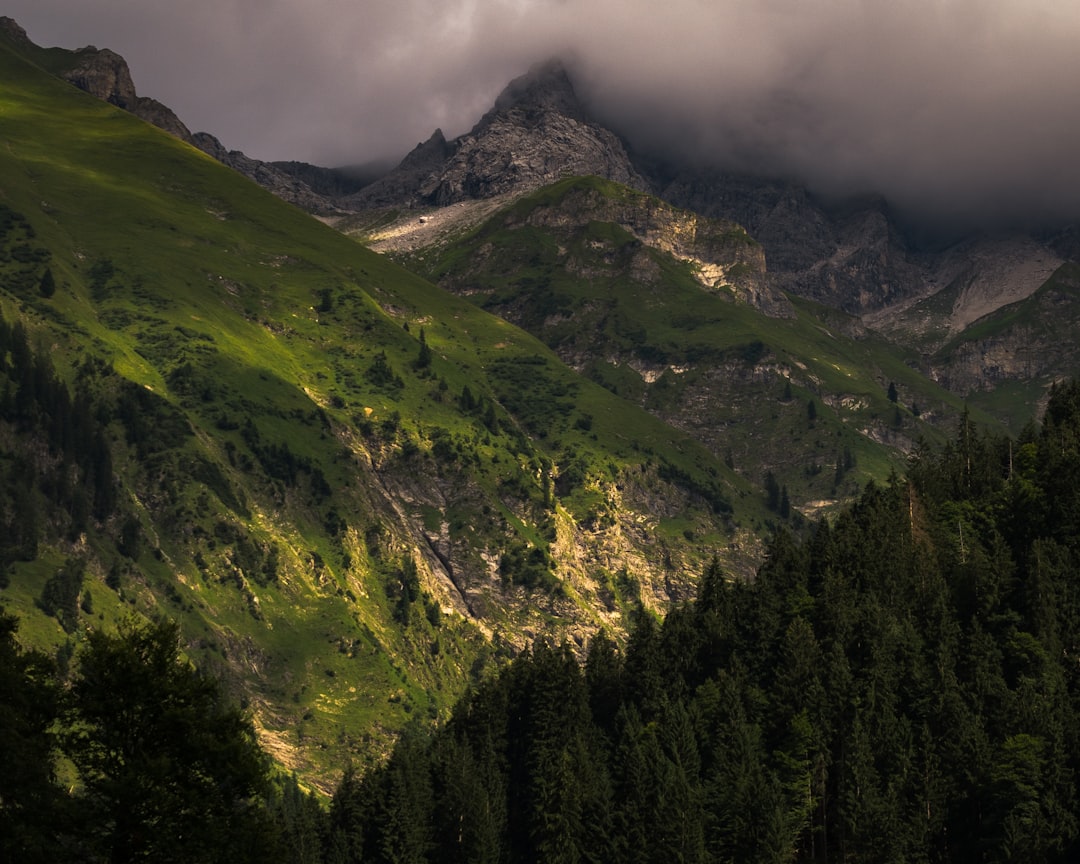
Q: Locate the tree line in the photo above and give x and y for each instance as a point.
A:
(898, 685)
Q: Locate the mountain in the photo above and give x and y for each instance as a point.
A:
(851, 255)
(105, 74)
(537, 132)
(353, 490)
(675, 312)
(357, 489)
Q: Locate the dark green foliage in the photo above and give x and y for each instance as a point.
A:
(255, 561)
(60, 594)
(165, 768)
(29, 799)
(68, 482)
(170, 771)
(772, 492)
(101, 271)
(130, 541)
(281, 463)
(529, 388)
(466, 400)
(423, 359)
(528, 567)
(698, 483)
(300, 821)
(153, 425)
(405, 586)
(47, 285)
(18, 247)
(382, 375)
(752, 352)
(900, 686)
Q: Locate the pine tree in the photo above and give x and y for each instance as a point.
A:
(47, 285)
(423, 359)
(170, 770)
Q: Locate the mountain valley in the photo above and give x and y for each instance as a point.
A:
(527, 385)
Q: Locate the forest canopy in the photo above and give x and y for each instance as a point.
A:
(900, 684)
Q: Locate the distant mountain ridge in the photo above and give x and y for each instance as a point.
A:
(850, 255)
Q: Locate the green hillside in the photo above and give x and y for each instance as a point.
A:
(350, 488)
(588, 266)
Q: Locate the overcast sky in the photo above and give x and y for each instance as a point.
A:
(963, 105)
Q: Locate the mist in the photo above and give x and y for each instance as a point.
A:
(952, 109)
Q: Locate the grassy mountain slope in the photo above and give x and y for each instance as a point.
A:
(348, 485)
(673, 312)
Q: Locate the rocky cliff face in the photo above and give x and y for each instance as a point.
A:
(1030, 340)
(273, 179)
(724, 258)
(851, 258)
(536, 133)
(105, 74)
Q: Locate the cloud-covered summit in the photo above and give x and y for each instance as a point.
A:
(954, 108)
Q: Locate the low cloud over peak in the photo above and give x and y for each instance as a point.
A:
(955, 109)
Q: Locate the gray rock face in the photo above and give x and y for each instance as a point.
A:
(854, 259)
(271, 178)
(1038, 344)
(105, 74)
(401, 185)
(537, 132)
(12, 33)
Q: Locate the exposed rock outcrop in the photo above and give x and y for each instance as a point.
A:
(537, 132)
(105, 74)
(271, 178)
(851, 257)
(723, 255)
(1030, 340)
(12, 33)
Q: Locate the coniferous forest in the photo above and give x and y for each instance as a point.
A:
(900, 684)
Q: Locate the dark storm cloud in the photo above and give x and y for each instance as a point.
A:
(957, 108)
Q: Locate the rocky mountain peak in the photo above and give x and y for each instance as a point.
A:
(545, 88)
(537, 132)
(105, 74)
(429, 153)
(11, 32)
